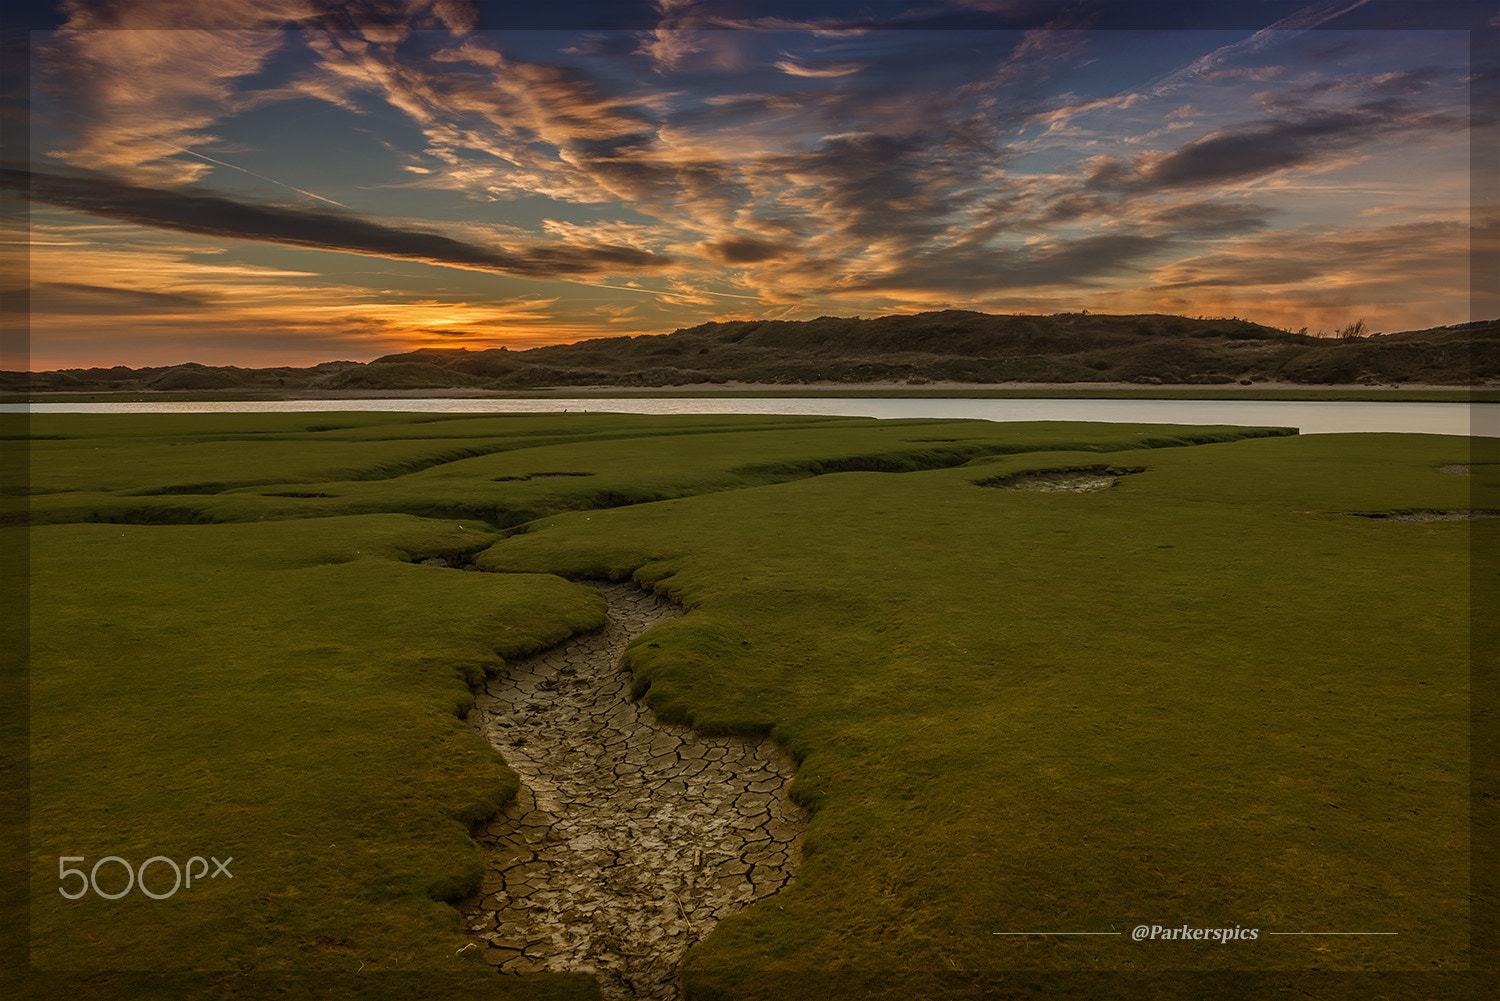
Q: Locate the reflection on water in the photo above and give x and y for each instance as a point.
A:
(1309, 417)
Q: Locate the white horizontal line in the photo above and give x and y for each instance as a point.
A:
(1056, 933)
(1332, 933)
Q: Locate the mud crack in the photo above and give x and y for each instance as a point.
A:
(630, 838)
(1074, 480)
(1421, 517)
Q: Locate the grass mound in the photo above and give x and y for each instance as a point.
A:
(282, 694)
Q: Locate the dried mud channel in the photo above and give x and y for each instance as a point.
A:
(630, 838)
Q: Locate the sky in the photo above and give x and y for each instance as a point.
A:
(286, 182)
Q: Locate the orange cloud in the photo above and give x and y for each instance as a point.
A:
(141, 91)
(793, 67)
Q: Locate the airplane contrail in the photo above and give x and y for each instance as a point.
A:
(244, 170)
(231, 166)
(1303, 20)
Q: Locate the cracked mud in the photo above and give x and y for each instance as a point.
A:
(1079, 480)
(1421, 517)
(630, 838)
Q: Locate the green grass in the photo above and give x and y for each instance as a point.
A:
(502, 469)
(285, 694)
(1208, 695)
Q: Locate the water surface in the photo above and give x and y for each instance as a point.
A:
(1310, 417)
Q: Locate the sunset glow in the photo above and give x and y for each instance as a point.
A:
(267, 182)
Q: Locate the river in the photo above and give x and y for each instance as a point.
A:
(1309, 417)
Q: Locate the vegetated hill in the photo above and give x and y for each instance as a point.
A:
(946, 346)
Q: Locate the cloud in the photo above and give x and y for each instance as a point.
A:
(613, 232)
(1057, 117)
(1237, 155)
(209, 214)
(1403, 276)
(986, 257)
(895, 191)
(984, 270)
(83, 298)
(144, 81)
(1402, 254)
(794, 67)
(555, 104)
(140, 90)
(1302, 138)
(509, 127)
(743, 250)
(680, 40)
(1210, 218)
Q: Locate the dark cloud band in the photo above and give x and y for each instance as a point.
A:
(209, 214)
